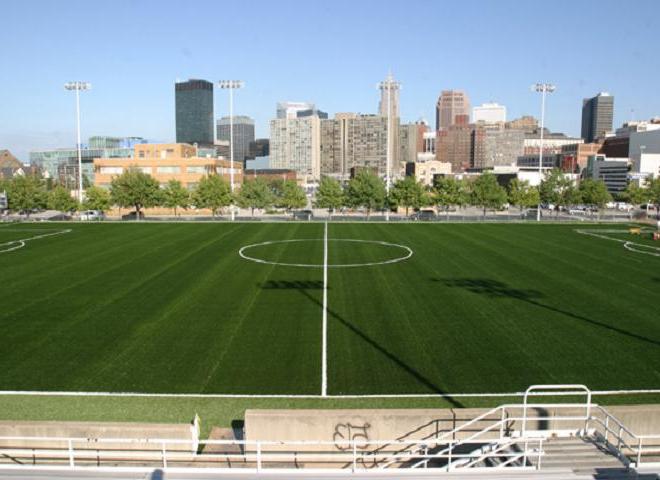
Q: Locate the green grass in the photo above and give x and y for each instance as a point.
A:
(173, 308)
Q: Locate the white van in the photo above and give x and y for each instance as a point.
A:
(90, 215)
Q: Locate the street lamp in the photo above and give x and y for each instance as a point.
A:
(389, 84)
(543, 89)
(77, 87)
(231, 85)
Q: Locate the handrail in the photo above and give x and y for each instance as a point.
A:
(533, 388)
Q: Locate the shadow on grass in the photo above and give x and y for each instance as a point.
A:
(304, 286)
(497, 289)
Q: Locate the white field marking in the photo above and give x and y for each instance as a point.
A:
(408, 250)
(20, 243)
(627, 244)
(336, 397)
(324, 354)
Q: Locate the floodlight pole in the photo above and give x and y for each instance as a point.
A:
(77, 87)
(543, 88)
(231, 85)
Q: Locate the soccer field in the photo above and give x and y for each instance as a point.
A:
(409, 308)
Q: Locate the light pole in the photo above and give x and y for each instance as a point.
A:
(389, 84)
(231, 85)
(543, 88)
(77, 87)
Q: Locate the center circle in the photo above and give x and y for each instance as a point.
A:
(404, 253)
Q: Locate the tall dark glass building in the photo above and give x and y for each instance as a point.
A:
(597, 116)
(194, 112)
(243, 135)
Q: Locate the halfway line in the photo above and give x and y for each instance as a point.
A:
(324, 353)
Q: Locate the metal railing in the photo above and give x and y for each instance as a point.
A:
(501, 437)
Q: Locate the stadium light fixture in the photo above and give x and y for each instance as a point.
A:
(389, 84)
(543, 89)
(231, 85)
(78, 87)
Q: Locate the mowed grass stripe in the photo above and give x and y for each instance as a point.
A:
(95, 328)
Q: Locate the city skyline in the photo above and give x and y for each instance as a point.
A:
(37, 113)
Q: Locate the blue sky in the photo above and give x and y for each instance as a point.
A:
(332, 53)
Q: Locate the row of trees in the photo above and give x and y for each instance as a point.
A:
(138, 190)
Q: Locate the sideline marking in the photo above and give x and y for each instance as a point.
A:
(20, 243)
(312, 397)
(408, 250)
(627, 244)
(324, 354)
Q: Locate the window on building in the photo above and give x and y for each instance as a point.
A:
(168, 169)
(196, 169)
(111, 170)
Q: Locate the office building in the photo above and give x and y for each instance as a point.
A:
(394, 89)
(295, 144)
(494, 146)
(597, 116)
(645, 154)
(454, 145)
(451, 103)
(489, 113)
(194, 112)
(526, 123)
(165, 162)
(426, 171)
(409, 142)
(612, 171)
(351, 141)
(575, 156)
(243, 135)
(290, 109)
(310, 112)
(62, 163)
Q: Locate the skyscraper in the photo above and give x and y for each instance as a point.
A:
(291, 109)
(489, 113)
(451, 104)
(395, 87)
(243, 135)
(194, 112)
(295, 145)
(597, 116)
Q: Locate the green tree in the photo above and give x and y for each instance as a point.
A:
(136, 189)
(407, 192)
(175, 195)
(212, 192)
(26, 193)
(366, 190)
(558, 189)
(448, 192)
(59, 198)
(653, 189)
(635, 194)
(97, 198)
(291, 196)
(594, 193)
(255, 194)
(487, 193)
(329, 195)
(522, 194)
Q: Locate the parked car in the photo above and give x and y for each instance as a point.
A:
(424, 215)
(303, 215)
(133, 216)
(91, 215)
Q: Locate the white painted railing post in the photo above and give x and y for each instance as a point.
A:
(354, 456)
(639, 452)
(426, 456)
(71, 461)
(164, 454)
(258, 456)
(502, 425)
(538, 462)
(607, 426)
(451, 447)
(618, 446)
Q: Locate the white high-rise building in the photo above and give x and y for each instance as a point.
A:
(295, 144)
(291, 109)
(489, 113)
